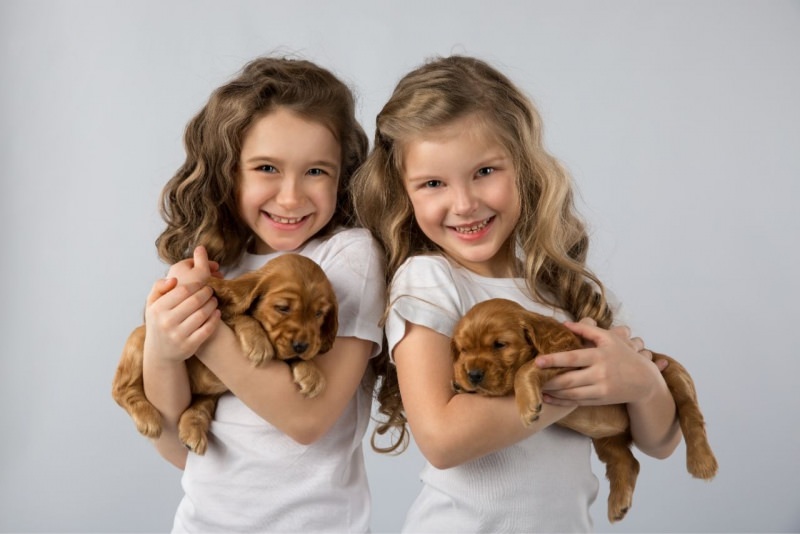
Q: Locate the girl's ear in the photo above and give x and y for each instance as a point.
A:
(330, 326)
(237, 295)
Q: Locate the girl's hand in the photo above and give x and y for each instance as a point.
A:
(181, 312)
(195, 269)
(616, 369)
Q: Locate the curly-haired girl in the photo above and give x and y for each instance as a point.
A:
(268, 164)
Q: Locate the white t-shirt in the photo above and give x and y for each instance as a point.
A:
(541, 484)
(253, 477)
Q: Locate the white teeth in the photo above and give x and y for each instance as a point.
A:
(284, 220)
(471, 229)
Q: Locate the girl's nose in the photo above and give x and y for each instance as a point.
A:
(290, 194)
(465, 201)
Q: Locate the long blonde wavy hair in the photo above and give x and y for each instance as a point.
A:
(550, 234)
(199, 203)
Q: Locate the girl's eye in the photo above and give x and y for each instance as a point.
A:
(485, 171)
(316, 172)
(267, 168)
(431, 184)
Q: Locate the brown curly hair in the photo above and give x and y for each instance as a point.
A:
(549, 233)
(199, 203)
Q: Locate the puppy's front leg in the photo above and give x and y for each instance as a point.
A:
(253, 338)
(528, 391)
(309, 377)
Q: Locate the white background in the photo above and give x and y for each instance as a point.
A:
(680, 122)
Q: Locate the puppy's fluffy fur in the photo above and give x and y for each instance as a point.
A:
(493, 349)
(285, 310)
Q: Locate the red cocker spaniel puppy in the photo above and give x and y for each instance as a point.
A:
(285, 310)
(493, 349)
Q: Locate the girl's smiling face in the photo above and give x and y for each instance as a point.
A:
(289, 172)
(462, 185)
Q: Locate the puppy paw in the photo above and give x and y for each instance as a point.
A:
(530, 406)
(530, 414)
(193, 427)
(309, 378)
(618, 505)
(258, 349)
(702, 466)
(195, 440)
(147, 420)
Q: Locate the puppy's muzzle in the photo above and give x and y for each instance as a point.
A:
(475, 376)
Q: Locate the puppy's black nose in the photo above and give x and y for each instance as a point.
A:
(299, 347)
(475, 376)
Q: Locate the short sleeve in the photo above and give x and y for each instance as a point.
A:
(423, 292)
(353, 263)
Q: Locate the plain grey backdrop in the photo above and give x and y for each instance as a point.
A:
(680, 122)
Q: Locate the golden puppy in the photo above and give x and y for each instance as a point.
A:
(493, 349)
(285, 310)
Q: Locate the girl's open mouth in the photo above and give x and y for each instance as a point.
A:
(473, 228)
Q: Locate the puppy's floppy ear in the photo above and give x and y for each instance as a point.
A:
(330, 327)
(528, 323)
(236, 296)
(547, 335)
(454, 350)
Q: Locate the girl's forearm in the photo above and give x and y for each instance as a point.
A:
(166, 386)
(470, 427)
(654, 423)
(270, 391)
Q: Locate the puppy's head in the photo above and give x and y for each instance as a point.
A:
(293, 300)
(495, 338)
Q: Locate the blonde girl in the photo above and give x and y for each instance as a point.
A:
(268, 163)
(469, 206)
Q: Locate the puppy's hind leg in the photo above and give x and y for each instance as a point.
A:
(128, 387)
(195, 422)
(622, 469)
(700, 460)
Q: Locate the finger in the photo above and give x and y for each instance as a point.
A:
(161, 288)
(555, 401)
(621, 331)
(582, 396)
(199, 317)
(566, 381)
(594, 334)
(215, 272)
(193, 303)
(572, 358)
(201, 261)
(661, 364)
(589, 321)
(646, 354)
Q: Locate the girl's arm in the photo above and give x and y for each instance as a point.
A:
(613, 372)
(178, 318)
(270, 391)
(451, 429)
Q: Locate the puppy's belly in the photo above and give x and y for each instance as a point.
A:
(598, 421)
